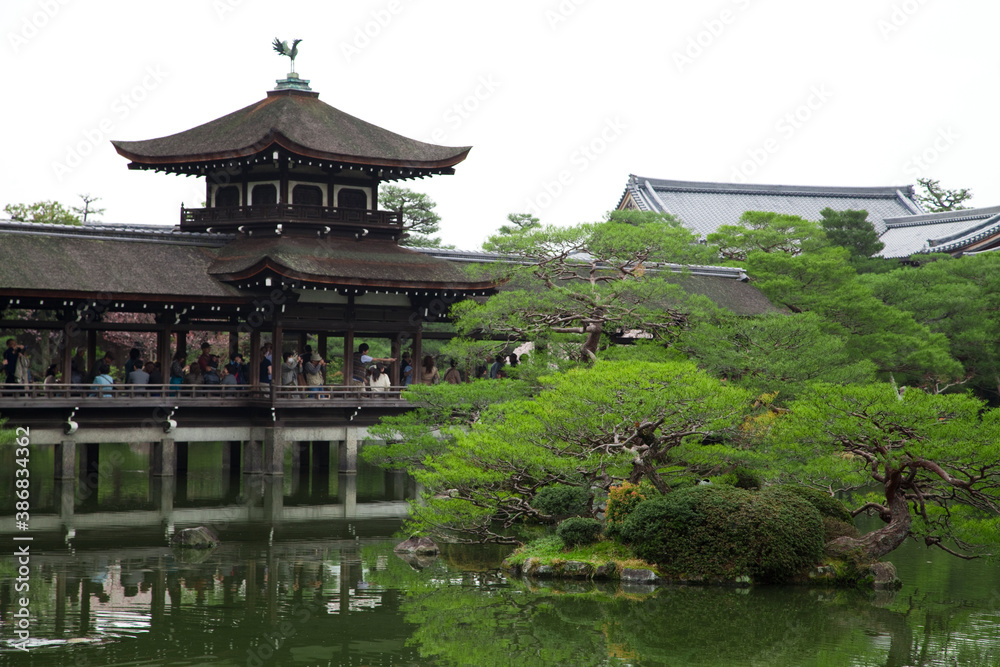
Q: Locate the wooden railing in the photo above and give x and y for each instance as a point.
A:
(126, 395)
(199, 219)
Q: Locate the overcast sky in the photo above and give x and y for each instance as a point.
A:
(561, 100)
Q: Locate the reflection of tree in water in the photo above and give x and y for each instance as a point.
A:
(481, 620)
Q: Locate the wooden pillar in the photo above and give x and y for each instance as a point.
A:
(163, 350)
(279, 353)
(303, 341)
(348, 357)
(395, 350)
(254, 357)
(418, 338)
(283, 198)
(234, 344)
(321, 345)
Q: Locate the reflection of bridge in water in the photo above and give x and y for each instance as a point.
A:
(130, 602)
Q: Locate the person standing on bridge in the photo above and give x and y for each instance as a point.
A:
(10, 358)
(361, 361)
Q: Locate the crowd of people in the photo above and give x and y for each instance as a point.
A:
(306, 369)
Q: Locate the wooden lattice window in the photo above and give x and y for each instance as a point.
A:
(307, 195)
(264, 194)
(352, 198)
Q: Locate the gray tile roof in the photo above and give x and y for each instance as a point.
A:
(950, 231)
(704, 207)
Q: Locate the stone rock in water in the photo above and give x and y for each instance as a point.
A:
(639, 576)
(195, 538)
(423, 546)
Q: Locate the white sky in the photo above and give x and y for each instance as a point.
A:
(888, 80)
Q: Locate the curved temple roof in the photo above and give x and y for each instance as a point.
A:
(298, 122)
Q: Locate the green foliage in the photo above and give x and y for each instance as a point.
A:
(851, 230)
(933, 455)
(765, 232)
(577, 531)
(824, 503)
(587, 280)
(835, 528)
(587, 426)
(427, 431)
(562, 500)
(43, 211)
(723, 532)
(623, 499)
(775, 353)
(519, 222)
(746, 479)
(823, 282)
(420, 220)
(936, 199)
(956, 298)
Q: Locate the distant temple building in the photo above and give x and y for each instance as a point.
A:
(903, 226)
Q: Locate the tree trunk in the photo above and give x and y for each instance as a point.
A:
(593, 332)
(878, 543)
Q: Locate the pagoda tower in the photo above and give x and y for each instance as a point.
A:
(291, 185)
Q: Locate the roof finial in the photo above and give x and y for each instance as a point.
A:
(292, 81)
(282, 49)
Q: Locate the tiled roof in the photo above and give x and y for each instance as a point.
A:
(71, 260)
(117, 232)
(369, 262)
(300, 123)
(950, 231)
(726, 286)
(704, 207)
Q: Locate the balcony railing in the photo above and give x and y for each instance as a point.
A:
(131, 395)
(200, 219)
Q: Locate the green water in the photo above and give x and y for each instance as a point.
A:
(310, 585)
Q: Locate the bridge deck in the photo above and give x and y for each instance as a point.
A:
(117, 397)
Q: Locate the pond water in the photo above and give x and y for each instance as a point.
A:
(315, 582)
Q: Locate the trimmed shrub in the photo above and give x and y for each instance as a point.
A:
(622, 499)
(826, 504)
(561, 500)
(834, 528)
(578, 531)
(718, 531)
